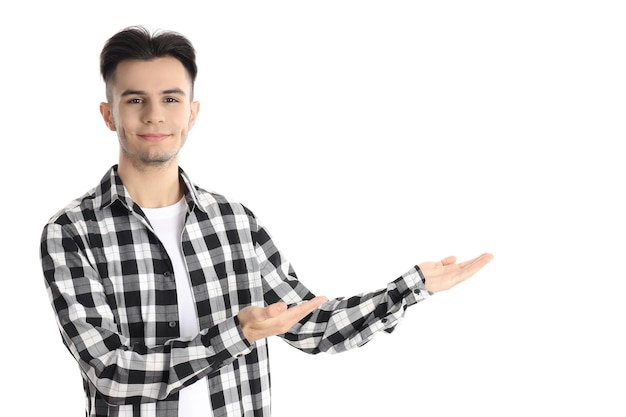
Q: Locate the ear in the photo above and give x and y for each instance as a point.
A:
(195, 108)
(107, 115)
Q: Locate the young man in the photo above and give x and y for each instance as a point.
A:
(165, 293)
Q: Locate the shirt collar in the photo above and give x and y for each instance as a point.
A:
(112, 189)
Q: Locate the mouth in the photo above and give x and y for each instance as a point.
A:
(154, 137)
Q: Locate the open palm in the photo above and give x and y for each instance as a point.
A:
(447, 273)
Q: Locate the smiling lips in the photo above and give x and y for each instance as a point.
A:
(154, 137)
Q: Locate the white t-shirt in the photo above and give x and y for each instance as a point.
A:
(168, 223)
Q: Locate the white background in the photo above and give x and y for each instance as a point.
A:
(367, 136)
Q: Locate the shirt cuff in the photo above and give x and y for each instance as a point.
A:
(229, 340)
(416, 283)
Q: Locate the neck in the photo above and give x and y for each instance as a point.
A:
(152, 187)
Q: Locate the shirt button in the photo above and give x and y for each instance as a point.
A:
(166, 274)
(172, 324)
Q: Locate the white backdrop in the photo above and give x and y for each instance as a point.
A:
(368, 136)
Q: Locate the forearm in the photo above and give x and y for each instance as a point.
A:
(127, 373)
(346, 323)
(342, 323)
(111, 347)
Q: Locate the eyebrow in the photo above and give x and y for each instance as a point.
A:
(143, 93)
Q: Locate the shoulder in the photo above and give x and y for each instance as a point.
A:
(85, 207)
(76, 209)
(211, 201)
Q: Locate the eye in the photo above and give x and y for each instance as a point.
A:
(171, 100)
(135, 100)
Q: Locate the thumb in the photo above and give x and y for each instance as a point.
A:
(275, 309)
(448, 260)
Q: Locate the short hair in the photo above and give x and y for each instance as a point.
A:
(137, 42)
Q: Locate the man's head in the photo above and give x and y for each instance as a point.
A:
(137, 43)
(149, 88)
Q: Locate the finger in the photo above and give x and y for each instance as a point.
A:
(474, 265)
(297, 313)
(485, 257)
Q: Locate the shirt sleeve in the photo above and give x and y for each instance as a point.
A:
(342, 323)
(121, 371)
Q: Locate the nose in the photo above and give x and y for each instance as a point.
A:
(153, 114)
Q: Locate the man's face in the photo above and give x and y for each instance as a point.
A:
(151, 110)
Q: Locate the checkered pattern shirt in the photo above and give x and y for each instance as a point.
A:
(111, 285)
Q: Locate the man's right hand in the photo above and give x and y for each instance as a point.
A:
(261, 322)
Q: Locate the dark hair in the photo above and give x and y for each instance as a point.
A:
(136, 42)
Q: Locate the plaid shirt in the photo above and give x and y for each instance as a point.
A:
(111, 285)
